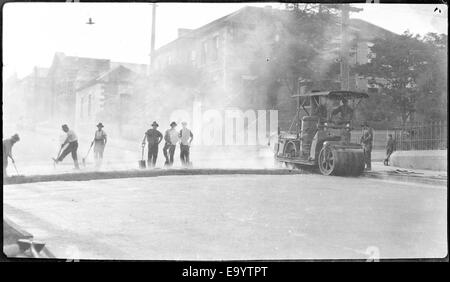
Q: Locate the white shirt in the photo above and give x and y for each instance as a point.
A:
(185, 135)
(71, 136)
(173, 136)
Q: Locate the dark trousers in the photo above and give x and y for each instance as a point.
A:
(184, 154)
(72, 148)
(152, 154)
(368, 157)
(169, 151)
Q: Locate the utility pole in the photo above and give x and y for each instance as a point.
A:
(344, 47)
(152, 48)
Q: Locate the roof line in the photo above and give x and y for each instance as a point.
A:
(202, 28)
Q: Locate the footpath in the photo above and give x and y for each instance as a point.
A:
(380, 171)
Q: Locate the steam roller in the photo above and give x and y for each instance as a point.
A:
(322, 142)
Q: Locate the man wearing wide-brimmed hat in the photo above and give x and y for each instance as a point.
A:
(99, 143)
(153, 137)
(7, 151)
(171, 137)
(366, 142)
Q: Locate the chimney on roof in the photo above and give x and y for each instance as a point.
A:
(183, 31)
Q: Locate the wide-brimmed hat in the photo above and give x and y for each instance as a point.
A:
(184, 123)
(173, 123)
(155, 123)
(100, 124)
(365, 124)
(15, 137)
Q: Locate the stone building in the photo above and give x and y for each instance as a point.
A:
(66, 74)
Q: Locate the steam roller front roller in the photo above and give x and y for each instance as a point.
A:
(339, 161)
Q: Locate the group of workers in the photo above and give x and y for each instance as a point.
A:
(152, 136)
(171, 137)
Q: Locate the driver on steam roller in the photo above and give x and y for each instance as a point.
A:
(346, 116)
(345, 111)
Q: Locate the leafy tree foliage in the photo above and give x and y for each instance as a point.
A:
(411, 73)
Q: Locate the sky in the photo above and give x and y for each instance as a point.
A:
(33, 32)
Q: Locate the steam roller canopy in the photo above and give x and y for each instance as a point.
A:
(341, 161)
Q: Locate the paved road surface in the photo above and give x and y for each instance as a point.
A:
(233, 217)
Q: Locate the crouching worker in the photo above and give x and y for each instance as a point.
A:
(186, 138)
(72, 148)
(7, 151)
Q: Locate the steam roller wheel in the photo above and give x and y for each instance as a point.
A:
(340, 162)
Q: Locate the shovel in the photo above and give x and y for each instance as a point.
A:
(84, 159)
(54, 159)
(142, 161)
(14, 163)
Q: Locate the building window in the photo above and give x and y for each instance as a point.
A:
(215, 48)
(204, 52)
(89, 106)
(81, 107)
(193, 56)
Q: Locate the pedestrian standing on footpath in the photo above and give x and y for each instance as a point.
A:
(390, 147)
(72, 148)
(366, 141)
(153, 137)
(171, 138)
(186, 138)
(99, 144)
(7, 151)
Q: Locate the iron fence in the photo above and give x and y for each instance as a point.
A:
(421, 136)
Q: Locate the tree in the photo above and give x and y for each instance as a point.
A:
(409, 70)
(302, 46)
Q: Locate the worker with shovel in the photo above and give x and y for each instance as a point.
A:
(99, 143)
(72, 148)
(153, 137)
(7, 151)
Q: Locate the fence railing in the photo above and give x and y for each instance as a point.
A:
(421, 136)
